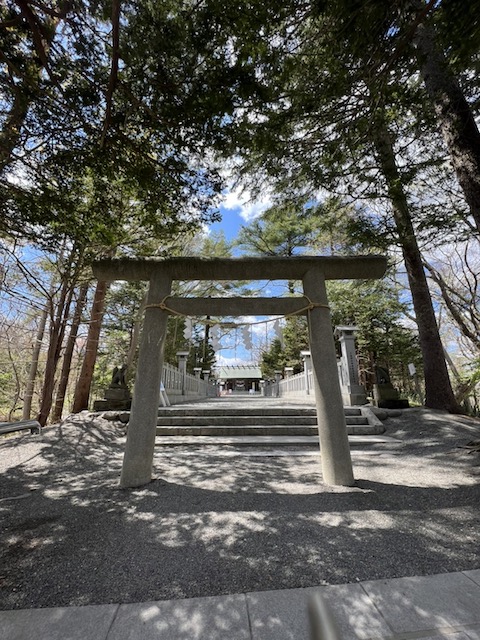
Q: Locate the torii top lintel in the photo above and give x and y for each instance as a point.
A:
(268, 268)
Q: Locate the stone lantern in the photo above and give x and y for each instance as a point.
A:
(307, 367)
(353, 392)
(182, 366)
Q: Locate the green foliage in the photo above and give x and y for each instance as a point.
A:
(468, 388)
(382, 337)
(343, 229)
(272, 360)
(340, 64)
(122, 307)
(330, 227)
(7, 391)
(458, 29)
(174, 340)
(295, 338)
(109, 120)
(215, 245)
(16, 338)
(283, 230)
(201, 352)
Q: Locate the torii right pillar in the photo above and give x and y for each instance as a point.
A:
(332, 427)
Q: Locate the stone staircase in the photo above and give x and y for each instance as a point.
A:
(251, 425)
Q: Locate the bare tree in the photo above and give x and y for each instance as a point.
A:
(456, 273)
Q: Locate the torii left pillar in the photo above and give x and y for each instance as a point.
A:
(139, 450)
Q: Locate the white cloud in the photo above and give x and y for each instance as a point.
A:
(245, 319)
(240, 199)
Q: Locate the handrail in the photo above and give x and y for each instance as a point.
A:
(21, 425)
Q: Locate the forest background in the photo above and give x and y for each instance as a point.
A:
(341, 127)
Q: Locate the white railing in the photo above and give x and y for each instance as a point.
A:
(172, 379)
(180, 386)
(300, 384)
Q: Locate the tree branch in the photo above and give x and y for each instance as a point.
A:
(456, 315)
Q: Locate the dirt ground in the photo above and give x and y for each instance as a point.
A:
(220, 521)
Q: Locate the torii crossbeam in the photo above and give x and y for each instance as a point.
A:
(312, 270)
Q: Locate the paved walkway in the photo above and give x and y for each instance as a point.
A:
(438, 606)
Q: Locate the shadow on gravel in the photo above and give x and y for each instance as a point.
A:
(213, 525)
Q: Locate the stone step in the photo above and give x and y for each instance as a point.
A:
(266, 441)
(206, 423)
(242, 420)
(258, 430)
(185, 410)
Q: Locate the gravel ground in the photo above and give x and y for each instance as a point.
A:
(217, 522)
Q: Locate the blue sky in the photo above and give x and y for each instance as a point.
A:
(236, 210)
(230, 223)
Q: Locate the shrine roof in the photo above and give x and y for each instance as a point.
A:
(231, 372)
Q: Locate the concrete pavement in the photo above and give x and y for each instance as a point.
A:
(430, 607)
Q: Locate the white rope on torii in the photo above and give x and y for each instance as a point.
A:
(174, 308)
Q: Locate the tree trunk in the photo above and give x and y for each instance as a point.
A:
(13, 365)
(438, 389)
(57, 332)
(32, 372)
(454, 116)
(67, 356)
(82, 390)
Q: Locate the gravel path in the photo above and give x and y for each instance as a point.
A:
(215, 524)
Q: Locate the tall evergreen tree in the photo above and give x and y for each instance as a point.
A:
(329, 123)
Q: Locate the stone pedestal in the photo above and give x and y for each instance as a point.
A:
(386, 396)
(353, 392)
(115, 398)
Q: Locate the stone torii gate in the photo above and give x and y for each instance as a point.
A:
(312, 270)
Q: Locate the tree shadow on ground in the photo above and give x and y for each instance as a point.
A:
(212, 525)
